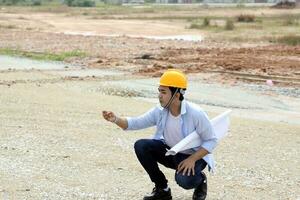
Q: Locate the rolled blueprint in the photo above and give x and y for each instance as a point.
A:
(220, 125)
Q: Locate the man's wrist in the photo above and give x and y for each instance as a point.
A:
(194, 157)
(116, 120)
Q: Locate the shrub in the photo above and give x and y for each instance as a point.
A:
(80, 3)
(10, 2)
(36, 2)
(195, 25)
(229, 25)
(206, 22)
(245, 18)
(68, 2)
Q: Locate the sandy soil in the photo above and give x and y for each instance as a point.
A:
(60, 23)
(61, 148)
(47, 32)
(55, 144)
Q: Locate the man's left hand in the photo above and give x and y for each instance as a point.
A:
(187, 166)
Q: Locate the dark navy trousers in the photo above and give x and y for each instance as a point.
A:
(150, 152)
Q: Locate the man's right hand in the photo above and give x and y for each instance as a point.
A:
(109, 116)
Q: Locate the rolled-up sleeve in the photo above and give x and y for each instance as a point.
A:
(144, 121)
(207, 134)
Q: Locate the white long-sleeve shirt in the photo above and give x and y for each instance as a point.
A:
(192, 118)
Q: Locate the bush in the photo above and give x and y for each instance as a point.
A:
(195, 25)
(68, 2)
(246, 18)
(10, 2)
(206, 22)
(87, 3)
(80, 3)
(36, 2)
(229, 25)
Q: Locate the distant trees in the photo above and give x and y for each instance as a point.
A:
(11, 2)
(21, 2)
(80, 3)
(73, 3)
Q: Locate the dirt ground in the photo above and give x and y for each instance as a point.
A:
(121, 42)
(55, 144)
(61, 148)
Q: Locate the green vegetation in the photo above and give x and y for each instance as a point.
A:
(71, 3)
(213, 25)
(290, 21)
(229, 25)
(279, 27)
(246, 18)
(195, 25)
(42, 56)
(206, 22)
(245, 23)
(292, 40)
(21, 2)
(80, 3)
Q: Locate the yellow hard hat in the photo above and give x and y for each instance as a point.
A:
(173, 78)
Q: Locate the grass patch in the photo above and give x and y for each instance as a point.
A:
(42, 56)
(292, 40)
(196, 24)
(290, 21)
(206, 22)
(229, 25)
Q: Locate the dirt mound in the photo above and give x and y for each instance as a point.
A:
(285, 4)
(275, 60)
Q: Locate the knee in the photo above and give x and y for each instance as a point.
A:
(140, 146)
(186, 182)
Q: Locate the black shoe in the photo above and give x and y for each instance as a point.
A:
(200, 191)
(159, 194)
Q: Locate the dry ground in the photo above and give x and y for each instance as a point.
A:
(55, 145)
(37, 31)
(61, 148)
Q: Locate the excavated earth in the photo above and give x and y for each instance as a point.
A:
(55, 144)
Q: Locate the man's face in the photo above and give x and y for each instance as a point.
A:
(164, 95)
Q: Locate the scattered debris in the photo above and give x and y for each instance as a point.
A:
(285, 4)
(269, 82)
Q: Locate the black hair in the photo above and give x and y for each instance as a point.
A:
(173, 90)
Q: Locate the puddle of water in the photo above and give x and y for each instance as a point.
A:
(56, 68)
(209, 94)
(177, 37)
(88, 72)
(18, 63)
(170, 37)
(84, 33)
(217, 98)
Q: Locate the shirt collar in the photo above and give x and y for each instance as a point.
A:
(183, 107)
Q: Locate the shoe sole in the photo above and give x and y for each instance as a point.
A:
(167, 198)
